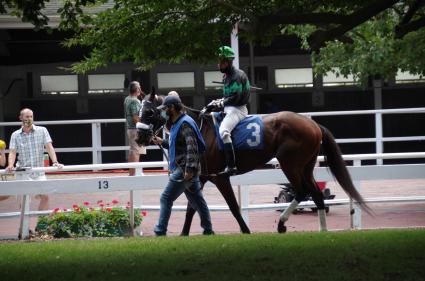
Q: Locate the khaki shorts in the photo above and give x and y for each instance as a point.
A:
(31, 177)
(134, 147)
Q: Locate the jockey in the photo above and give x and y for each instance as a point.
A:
(235, 98)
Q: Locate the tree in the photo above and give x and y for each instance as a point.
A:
(359, 37)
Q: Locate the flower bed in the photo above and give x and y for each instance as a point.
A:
(104, 220)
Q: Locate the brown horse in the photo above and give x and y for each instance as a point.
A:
(293, 139)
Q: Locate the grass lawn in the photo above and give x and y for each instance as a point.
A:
(359, 255)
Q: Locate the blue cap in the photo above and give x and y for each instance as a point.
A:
(169, 100)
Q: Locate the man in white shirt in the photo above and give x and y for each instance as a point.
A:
(29, 143)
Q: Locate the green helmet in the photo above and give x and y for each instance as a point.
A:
(225, 52)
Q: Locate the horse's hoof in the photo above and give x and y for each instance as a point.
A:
(281, 228)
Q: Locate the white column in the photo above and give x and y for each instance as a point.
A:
(377, 93)
(234, 41)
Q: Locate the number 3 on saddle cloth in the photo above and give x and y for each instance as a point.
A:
(247, 135)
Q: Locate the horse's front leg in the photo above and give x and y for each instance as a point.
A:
(225, 187)
(190, 212)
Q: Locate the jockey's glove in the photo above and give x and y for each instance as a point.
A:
(203, 111)
(215, 105)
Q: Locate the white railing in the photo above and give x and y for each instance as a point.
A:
(257, 177)
(96, 148)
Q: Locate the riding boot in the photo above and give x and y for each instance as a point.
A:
(229, 154)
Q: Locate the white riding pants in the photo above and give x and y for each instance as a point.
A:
(234, 114)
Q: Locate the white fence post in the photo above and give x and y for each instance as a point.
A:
(355, 211)
(379, 135)
(243, 198)
(96, 133)
(24, 220)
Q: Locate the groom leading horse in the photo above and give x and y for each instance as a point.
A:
(293, 139)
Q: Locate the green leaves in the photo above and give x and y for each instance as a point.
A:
(374, 51)
(361, 38)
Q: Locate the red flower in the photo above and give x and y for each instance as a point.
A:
(85, 203)
(109, 209)
(101, 205)
(65, 209)
(99, 201)
(55, 210)
(115, 201)
(75, 206)
(144, 213)
(77, 210)
(127, 207)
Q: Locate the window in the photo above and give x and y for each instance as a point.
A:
(59, 84)
(261, 77)
(331, 78)
(213, 76)
(176, 80)
(296, 77)
(106, 83)
(407, 77)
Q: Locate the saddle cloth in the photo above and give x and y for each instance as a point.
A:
(247, 135)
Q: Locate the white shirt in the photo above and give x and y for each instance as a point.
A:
(30, 146)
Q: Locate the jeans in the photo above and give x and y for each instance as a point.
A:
(192, 189)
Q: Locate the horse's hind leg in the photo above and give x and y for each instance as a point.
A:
(317, 196)
(299, 196)
(294, 171)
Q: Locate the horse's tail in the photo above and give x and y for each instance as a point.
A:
(333, 158)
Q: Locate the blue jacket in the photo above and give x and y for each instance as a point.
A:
(173, 136)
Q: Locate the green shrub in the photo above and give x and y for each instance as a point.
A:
(86, 221)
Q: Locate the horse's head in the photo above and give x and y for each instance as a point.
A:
(150, 119)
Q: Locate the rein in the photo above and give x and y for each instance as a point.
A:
(207, 175)
(162, 148)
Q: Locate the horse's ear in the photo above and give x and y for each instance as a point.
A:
(152, 96)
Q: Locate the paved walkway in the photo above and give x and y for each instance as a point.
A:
(387, 215)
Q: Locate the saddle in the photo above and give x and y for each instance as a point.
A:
(247, 135)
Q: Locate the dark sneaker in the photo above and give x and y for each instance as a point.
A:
(209, 232)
